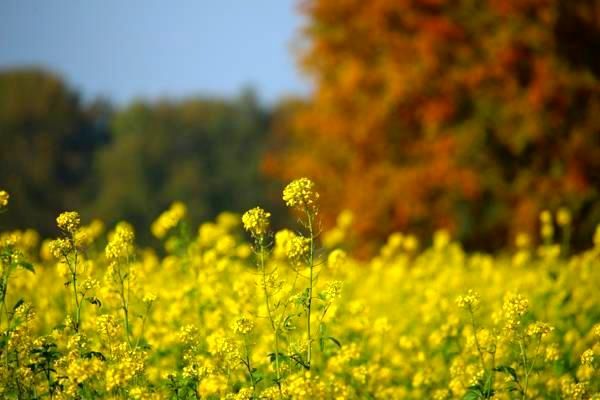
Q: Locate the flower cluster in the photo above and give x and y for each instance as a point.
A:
(540, 329)
(515, 306)
(243, 325)
(469, 301)
(168, 219)
(301, 194)
(69, 222)
(333, 290)
(256, 221)
(295, 246)
(120, 243)
(587, 358)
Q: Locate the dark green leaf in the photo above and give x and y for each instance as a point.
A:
(472, 395)
(508, 370)
(18, 303)
(26, 265)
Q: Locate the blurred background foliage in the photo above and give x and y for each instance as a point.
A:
(459, 114)
(467, 115)
(130, 163)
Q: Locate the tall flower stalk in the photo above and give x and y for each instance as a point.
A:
(119, 252)
(301, 196)
(256, 222)
(66, 249)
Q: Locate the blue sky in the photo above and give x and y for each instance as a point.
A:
(124, 49)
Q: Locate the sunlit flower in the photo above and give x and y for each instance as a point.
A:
(469, 301)
(300, 194)
(4, 198)
(69, 221)
(256, 221)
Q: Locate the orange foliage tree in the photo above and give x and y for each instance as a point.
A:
(469, 115)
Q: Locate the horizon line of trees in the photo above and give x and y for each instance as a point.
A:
(129, 163)
(471, 116)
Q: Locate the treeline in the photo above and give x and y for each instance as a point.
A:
(59, 153)
(472, 116)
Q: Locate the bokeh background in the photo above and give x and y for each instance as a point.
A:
(468, 115)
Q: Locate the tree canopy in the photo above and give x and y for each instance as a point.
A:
(466, 115)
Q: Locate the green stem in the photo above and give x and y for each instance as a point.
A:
(137, 342)
(524, 359)
(124, 306)
(310, 288)
(269, 311)
(476, 339)
(528, 371)
(249, 364)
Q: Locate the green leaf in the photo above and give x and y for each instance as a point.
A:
(257, 375)
(281, 357)
(513, 388)
(18, 303)
(474, 392)
(472, 395)
(508, 370)
(26, 265)
(288, 323)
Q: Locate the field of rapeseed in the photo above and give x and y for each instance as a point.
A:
(234, 310)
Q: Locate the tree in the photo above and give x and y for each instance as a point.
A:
(47, 138)
(470, 115)
(204, 152)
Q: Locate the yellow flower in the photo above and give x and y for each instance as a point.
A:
(168, 219)
(60, 248)
(243, 325)
(256, 221)
(539, 329)
(470, 301)
(300, 194)
(587, 358)
(333, 290)
(69, 221)
(545, 217)
(149, 298)
(4, 198)
(336, 258)
(120, 244)
(563, 217)
(552, 353)
(515, 306)
(291, 245)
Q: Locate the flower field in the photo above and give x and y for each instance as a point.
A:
(233, 310)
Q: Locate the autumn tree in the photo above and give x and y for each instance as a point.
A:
(469, 115)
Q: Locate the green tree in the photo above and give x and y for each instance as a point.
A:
(204, 152)
(47, 141)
